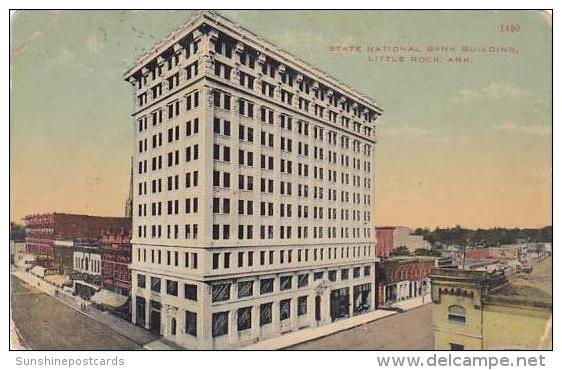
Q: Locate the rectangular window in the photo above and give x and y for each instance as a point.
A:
(284, 309)
(191, 323)
(221, 292)
(240, 257)
(216, 178)
(141, 281)
(215, 258)
(250, 258)
(286, 282)
(265, 313)
(227, 260)
(245, 289)
(244, 318)
(172, 288)
(266, 286)
(226, 128)
(155, 284)
(303, 280)
(219, 324)
(302, 305)
(226, 233)
(190, 292)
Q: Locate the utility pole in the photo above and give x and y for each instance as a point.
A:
(464, 254)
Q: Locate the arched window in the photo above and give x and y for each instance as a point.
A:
(457, 314)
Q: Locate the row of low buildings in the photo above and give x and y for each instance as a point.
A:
(511, 257)
(493, 300)
(85, 254)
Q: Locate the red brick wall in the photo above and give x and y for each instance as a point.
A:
(400, 270)
(384, 241)
(40, 237)
(69, 226)
(43, 229)
(116, 257)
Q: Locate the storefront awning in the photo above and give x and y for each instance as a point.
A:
(109, 299)
(28, 258)
(38, 271)
(57, 280)
(84, 283)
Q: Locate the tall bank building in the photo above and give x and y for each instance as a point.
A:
(253, 211)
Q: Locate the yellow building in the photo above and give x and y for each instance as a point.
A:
(475, 310)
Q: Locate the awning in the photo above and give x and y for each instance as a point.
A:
(28, 258)
(83, 283)
(57, 280)
(38, 271)
(109, 299)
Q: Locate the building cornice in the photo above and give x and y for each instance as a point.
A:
(220, 22)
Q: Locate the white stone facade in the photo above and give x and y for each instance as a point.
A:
(247, 225)
(87, 262)
(406, 289)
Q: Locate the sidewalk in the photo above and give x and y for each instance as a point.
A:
(163, 344)
(134, 333)
(305, 335)
(413, 303)
(151, 341)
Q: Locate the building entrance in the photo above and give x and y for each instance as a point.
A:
(173, 326)
(155, 317)
(140, 311)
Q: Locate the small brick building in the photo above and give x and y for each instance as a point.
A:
(400, 278)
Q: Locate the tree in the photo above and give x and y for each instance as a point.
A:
(17, 231)
(427, 252)
(400, 251)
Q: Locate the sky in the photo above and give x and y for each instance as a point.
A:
(458, 143)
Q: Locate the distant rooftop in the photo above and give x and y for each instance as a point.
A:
(411, 258)
(520, 294)
(521, 289)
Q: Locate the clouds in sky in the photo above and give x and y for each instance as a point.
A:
(494, 91)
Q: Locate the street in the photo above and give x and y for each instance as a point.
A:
(44, 323)
(412, 330)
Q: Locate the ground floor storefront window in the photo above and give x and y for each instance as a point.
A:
(339, 303)
(140, 311)
(361, 294)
